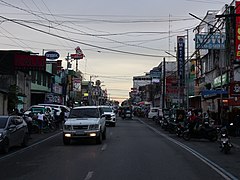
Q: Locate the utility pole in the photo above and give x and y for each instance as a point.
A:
(164, 83)
(188, 72)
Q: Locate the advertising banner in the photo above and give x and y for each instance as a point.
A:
(237, 39)
(181, 58)
(29, 62)
(235, 88)
(212, 41)
(76, 84)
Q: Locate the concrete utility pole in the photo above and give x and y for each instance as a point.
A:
(164, 83)
(187, 72)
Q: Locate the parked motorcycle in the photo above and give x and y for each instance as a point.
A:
(180, 128)
(225, 144)
(201, 132)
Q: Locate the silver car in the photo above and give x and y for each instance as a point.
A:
(13, 132)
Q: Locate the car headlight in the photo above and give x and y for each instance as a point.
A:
(67, 127)
(94, 126)
(1, 135)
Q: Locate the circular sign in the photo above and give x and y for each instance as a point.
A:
(52, 55)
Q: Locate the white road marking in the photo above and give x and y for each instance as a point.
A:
(104, 147)
(29, 147)
(89, 175)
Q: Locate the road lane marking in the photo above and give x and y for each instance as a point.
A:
(104, 147)
(89, 175)
(29, 147)
(214, 166)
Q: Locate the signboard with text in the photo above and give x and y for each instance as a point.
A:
(210, 41)
(237, 31)
(181, 58)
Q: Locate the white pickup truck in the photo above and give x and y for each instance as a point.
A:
(84, 122)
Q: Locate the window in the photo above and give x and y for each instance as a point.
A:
(84, 113)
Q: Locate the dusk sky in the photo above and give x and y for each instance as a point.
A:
(120, 39)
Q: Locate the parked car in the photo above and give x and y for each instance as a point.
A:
(84, 122)
(153, 113)
(35, 109)
(59, 108)
(109, 114)
(13, 132)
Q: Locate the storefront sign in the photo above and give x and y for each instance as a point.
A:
(181, 58)
(210, 41)
(29, 62)
(235, 89)
(52, 55)
(237, 31)
(220, 80)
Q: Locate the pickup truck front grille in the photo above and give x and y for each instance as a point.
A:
(80, 127)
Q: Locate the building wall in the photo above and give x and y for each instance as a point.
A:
(3, 104)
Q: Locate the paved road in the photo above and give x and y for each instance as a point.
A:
(133, 150)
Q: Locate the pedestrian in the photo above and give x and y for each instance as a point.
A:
(29, 120)
(192, 122)
(61, 119)
(40, 119)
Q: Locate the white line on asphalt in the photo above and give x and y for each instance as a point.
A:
(214, 166)
(29, 147)
(104, 147)
(89, 175)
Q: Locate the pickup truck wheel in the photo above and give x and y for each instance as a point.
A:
(66, 141)
(99, 138)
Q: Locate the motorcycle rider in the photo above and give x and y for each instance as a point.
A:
(192, 121)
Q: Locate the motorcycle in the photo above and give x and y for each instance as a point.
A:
(180, 128)
(201, 132)
(225, 144)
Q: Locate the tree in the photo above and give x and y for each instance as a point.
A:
(13, 100)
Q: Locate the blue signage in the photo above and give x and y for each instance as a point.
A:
(210, 41)
(52, 55)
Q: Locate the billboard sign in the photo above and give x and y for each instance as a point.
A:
(235, 89)
(237, 31)
(52, 55)
(29, 62)
(181, 57)
(210, 41)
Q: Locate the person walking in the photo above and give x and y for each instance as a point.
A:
(40, 119)
(61, 119)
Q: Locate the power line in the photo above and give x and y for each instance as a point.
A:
(86, 44)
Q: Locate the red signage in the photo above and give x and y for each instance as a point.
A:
(237, 39)
(29, 62)
(76, 56)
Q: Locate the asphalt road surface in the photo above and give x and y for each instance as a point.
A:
(133, 150)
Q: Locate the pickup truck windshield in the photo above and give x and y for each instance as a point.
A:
(84, 113)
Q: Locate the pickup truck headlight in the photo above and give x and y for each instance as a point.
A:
(1, 135)
(67, 127)
(94, 126)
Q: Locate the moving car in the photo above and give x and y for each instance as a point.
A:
(13, 132)
(110, 115)
(84, 122)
